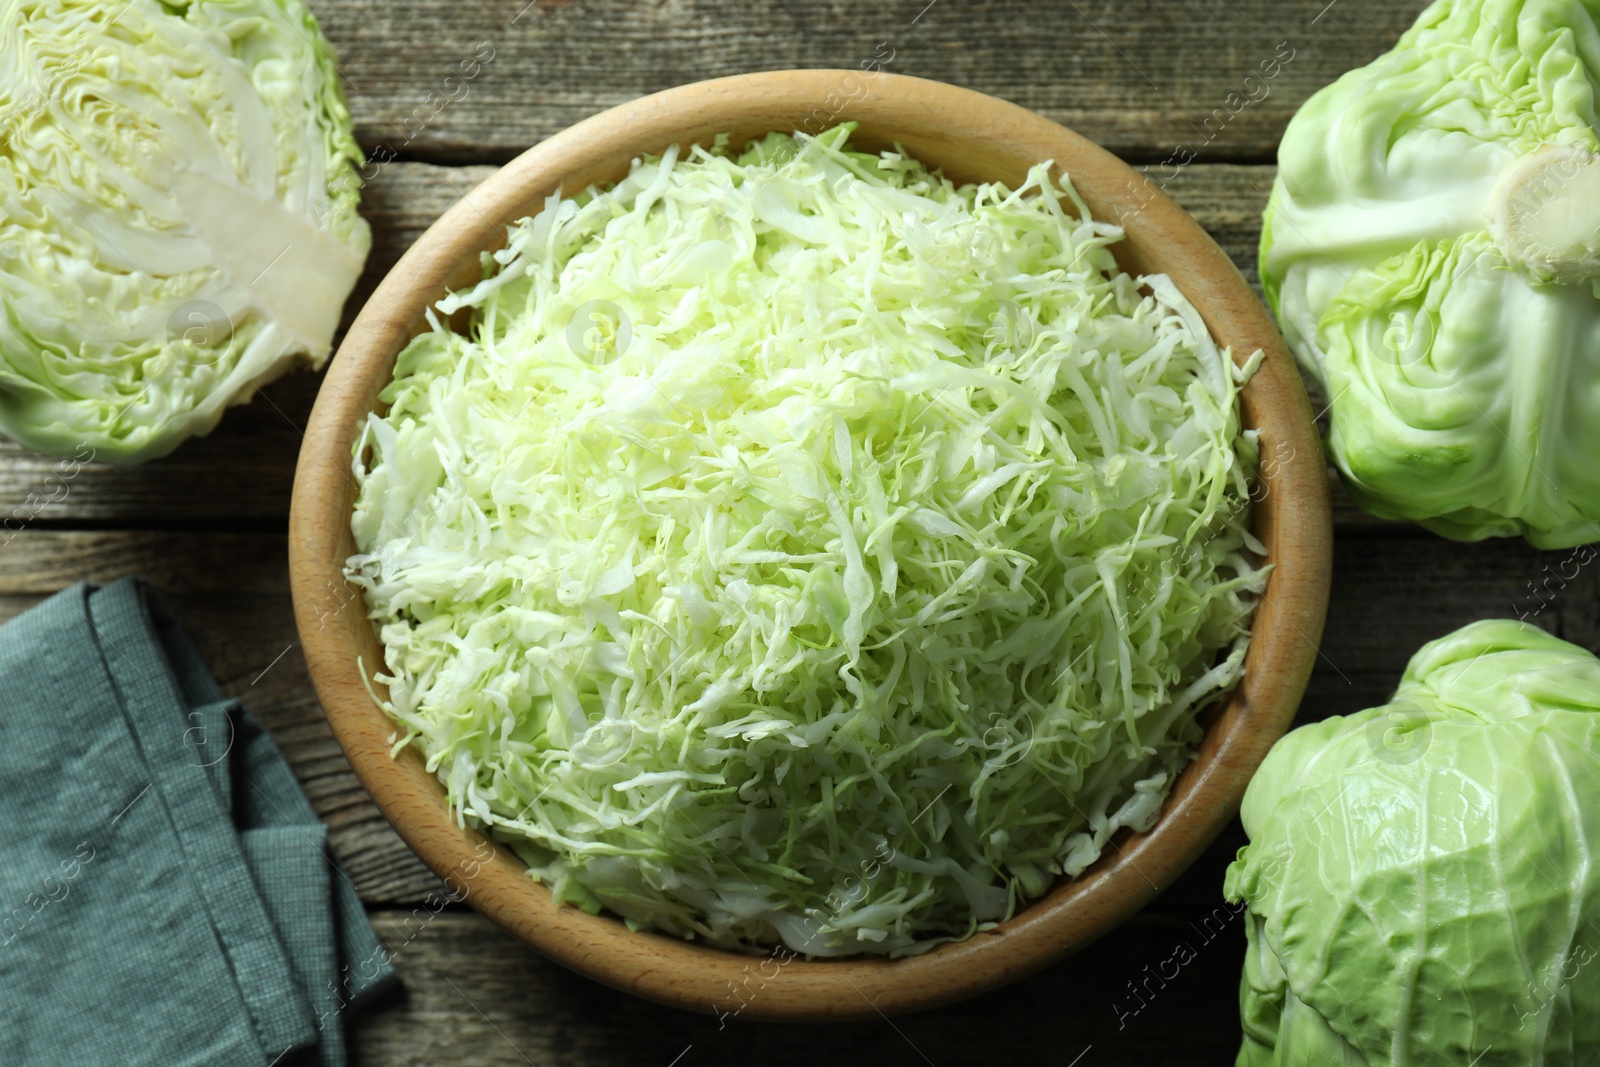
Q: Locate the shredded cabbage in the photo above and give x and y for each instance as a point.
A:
(801, 548)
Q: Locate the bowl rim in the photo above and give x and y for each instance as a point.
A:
(970, 135)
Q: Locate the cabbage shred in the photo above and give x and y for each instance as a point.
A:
(800, 548)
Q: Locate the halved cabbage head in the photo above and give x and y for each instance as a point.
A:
(1420, 876)
(1431, 249)
(178, 223)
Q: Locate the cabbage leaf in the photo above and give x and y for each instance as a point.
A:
(1420, 876)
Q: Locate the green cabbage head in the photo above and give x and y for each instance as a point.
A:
(1423, 878)
(1431, 249)
(178, 223)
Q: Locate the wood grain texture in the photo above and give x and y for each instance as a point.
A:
(472, 994)
(1143, 78)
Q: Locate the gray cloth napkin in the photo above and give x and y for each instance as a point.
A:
(166, 892)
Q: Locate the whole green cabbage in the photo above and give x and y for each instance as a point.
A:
(1431, 249)
(178, 219)
(1421, 878)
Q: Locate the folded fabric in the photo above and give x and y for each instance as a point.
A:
(166, 894)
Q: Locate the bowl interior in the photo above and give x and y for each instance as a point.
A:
(971, 137)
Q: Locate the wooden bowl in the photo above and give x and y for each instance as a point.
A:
(972, 137)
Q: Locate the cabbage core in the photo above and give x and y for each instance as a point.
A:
(1547, 214)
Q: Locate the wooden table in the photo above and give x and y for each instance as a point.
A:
(1151, 81)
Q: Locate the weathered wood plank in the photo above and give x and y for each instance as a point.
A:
(1227, 200)
(466, 985)
(1146, 79)
(242, 473)
(230, 591)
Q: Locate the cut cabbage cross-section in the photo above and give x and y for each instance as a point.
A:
(1547, 214)
(178, 223)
